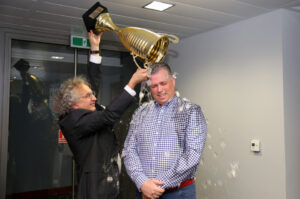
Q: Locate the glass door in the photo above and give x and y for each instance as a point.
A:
(38, 166)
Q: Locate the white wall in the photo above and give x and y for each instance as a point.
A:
(235, 74)
(291, 74)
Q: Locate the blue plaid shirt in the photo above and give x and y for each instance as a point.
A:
(165, 142)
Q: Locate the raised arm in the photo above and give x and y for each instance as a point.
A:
(95, 59)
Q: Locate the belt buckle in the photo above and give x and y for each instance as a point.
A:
(172, 189)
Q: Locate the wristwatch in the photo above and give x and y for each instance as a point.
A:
(94, 51)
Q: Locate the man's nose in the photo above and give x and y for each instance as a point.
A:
(159, 88)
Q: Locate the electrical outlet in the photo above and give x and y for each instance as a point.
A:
(255, 145)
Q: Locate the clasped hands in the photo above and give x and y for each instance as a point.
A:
(151, 190)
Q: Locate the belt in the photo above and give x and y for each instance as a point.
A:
(183, 184)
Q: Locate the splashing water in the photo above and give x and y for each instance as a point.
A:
(180, 108)
(234, 167)
(145, 94)
(109, 179)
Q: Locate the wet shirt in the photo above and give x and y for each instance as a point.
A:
(165, 142)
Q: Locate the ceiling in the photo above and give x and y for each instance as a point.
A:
(189, 17)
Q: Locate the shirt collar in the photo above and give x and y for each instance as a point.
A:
(167, 104)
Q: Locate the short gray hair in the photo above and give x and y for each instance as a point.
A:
(156, 67)
(66, 96)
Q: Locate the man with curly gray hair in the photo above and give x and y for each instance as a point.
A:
(66, 95)
(88, 128)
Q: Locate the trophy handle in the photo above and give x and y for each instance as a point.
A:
(134, 56)
(174, 39)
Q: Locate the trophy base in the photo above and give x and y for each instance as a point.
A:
(90, 16)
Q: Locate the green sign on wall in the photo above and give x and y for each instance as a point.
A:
(80, 42)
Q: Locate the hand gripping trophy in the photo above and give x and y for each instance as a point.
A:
(151, 47)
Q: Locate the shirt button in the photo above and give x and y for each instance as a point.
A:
(155, 144)
(152, 171)
(158, 122)
(153, 158)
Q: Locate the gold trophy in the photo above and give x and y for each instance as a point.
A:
(150, 46)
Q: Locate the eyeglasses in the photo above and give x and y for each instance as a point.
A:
(89, 95)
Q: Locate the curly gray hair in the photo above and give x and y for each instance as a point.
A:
(66, 96)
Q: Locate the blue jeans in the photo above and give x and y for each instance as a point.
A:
(188, 192)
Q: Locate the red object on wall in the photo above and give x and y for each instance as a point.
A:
(61, 137)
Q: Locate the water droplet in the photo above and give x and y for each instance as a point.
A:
(175, 75)
(109, 179)
(180, 109)
(234, 165)
(141, 95)
(233, 173)
(215, 155)
(223, 144)
(188, 106)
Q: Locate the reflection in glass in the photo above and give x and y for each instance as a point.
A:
(37, 163)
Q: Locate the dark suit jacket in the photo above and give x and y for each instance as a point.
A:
(94, 146)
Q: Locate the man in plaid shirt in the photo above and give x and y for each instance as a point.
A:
(165, 141)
